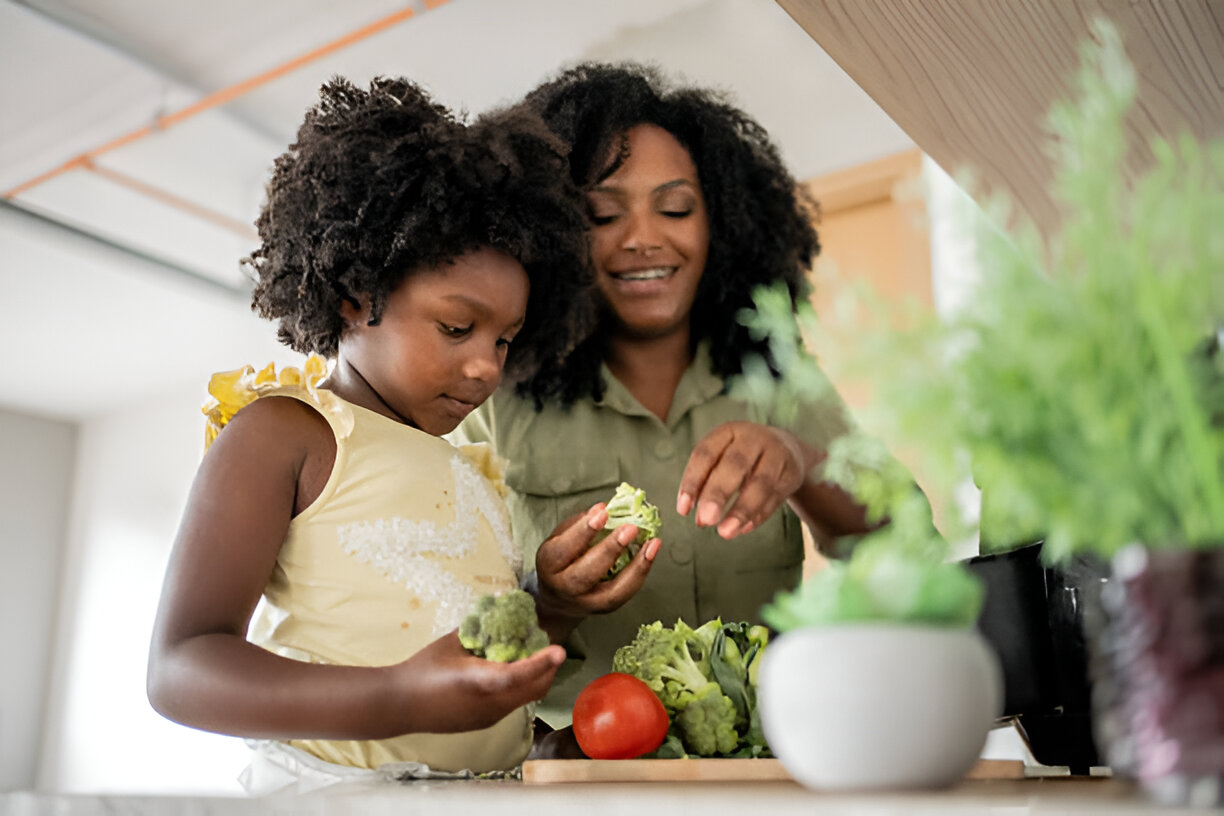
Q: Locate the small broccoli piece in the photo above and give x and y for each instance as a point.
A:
(503, 628)
(707, 721)
(629, 506)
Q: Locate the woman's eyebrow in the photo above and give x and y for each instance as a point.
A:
(617, 189)
(681, 182)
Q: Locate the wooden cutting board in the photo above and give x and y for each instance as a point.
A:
(550, 771)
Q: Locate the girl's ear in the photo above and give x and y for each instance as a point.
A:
(355, 314)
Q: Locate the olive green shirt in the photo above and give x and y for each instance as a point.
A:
(561, 461)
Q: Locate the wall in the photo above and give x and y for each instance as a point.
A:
(35, 474)
(132, 474)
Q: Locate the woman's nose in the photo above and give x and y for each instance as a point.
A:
(641, 234)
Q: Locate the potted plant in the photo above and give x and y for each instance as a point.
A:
(1082, 387)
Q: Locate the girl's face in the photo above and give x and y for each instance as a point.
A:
(439, 349)
(650, 235)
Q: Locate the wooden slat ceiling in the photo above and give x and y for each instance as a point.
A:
(971, 81)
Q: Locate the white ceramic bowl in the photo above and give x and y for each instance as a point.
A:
(879, 706)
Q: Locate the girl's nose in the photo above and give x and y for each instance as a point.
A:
(484, 365)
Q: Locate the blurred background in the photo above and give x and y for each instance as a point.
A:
(135, 138)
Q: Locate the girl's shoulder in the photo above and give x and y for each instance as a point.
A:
(242, 388)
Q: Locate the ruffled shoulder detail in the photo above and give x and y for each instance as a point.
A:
(488, 463)
(230, 391)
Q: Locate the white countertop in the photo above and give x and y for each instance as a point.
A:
(1030, 797)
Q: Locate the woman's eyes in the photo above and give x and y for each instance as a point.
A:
(673, 212)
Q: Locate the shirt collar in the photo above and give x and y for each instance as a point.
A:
(698, 384)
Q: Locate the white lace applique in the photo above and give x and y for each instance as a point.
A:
(414, 553)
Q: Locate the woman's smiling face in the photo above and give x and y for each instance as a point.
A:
(650, 235)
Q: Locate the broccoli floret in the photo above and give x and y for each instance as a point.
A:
(629, 506)
(660, 657)
(707, 721)
(503, 628)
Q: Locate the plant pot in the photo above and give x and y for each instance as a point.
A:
(1158, 672)
(876, 706)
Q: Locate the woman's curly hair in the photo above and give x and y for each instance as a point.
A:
(383, 182)
(761, 221)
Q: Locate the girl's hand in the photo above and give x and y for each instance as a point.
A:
(760, 466)
(571, 571)
(449, 689)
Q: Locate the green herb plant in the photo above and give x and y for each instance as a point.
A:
(1081, 386)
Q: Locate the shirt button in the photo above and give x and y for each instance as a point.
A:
(561, 484)
(665, 449)
(681, 551)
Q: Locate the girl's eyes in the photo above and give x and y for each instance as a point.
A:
(463, 331)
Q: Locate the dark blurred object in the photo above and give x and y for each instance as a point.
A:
(1033, 617)
(1158, 670)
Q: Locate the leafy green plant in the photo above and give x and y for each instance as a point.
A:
(1082, 385)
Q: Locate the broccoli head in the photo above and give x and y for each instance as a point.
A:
(660, 657)
(707, 721)
(675, 663)
(629, 506)
(503, 628)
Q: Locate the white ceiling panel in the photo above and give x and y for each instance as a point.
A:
(153, 290)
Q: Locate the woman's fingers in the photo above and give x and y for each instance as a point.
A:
(739, 475)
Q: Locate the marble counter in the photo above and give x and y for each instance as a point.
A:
(1027, 797)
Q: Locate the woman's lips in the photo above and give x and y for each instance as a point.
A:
(643, 281)
(652, 273)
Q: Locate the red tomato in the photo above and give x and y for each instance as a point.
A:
(617, 716)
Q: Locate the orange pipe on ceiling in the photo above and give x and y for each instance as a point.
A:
(217, 98)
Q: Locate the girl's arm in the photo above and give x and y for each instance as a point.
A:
(268, 464)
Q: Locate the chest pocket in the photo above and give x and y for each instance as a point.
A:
(547, 490)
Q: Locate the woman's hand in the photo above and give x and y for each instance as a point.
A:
(448, 689)
(758, 465)
(571, 571)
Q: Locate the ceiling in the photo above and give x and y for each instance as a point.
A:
(120, 274)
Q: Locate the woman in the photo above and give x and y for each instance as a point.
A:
(691, 209)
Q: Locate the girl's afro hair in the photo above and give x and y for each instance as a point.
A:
(383, 182)
(761, 222)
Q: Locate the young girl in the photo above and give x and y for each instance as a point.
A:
(422, 255)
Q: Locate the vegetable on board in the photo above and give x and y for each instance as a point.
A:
(706, 679)
(617, 716)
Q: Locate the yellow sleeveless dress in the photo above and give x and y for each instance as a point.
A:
(408, 532)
